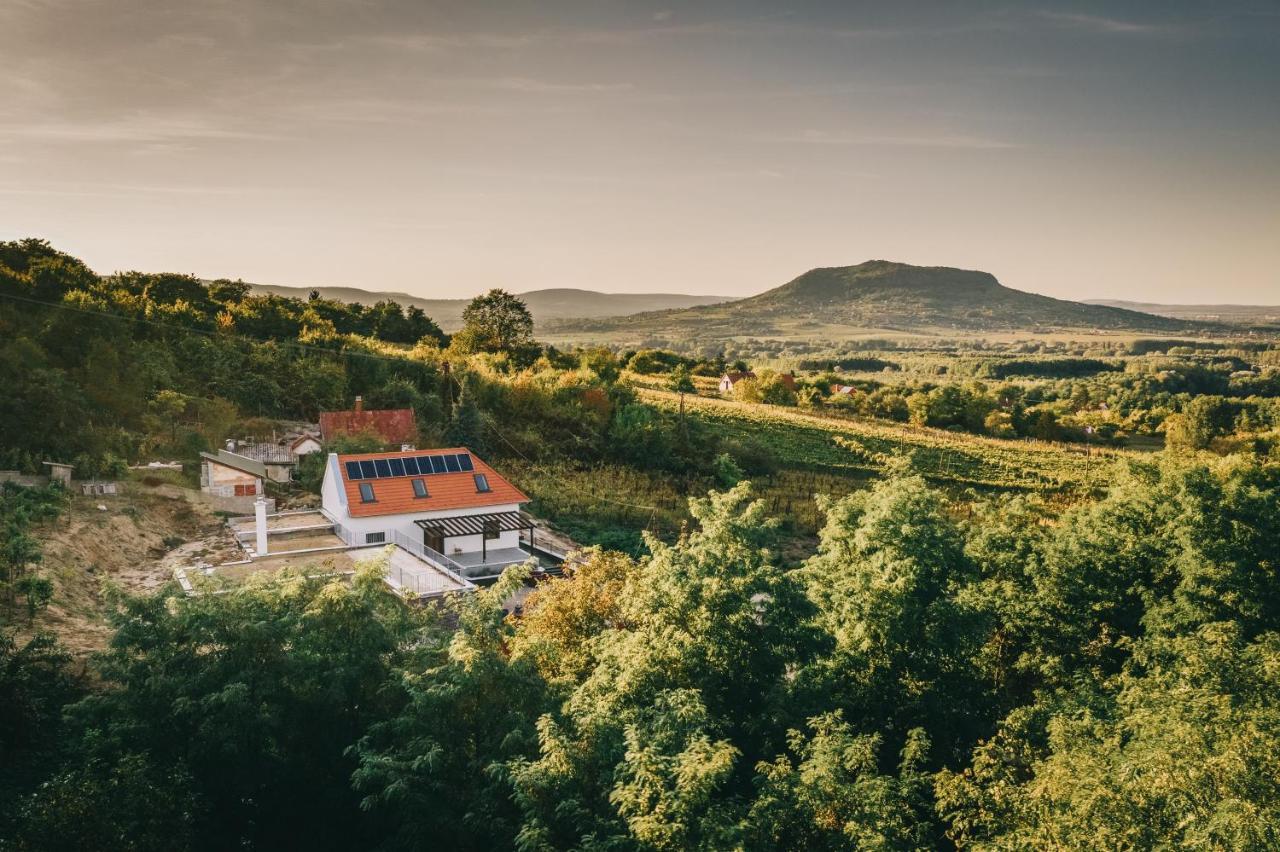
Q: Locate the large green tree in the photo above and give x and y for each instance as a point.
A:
(495, 322)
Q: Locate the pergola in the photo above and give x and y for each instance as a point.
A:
(491, 522)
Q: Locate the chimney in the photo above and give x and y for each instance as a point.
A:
(359, 403)
(260, 519)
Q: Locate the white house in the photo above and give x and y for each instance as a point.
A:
(730, 379)
(446, 504)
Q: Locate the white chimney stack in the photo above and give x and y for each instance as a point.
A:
(260, 516)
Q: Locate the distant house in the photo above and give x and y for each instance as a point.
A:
(728, 380)
(843, 390)
(304, 444)
(231, 480)
(278, 459)
(392, 425)
(447, 505)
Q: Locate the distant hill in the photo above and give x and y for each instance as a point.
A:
(884, 296)
(545, 305)
(1268, 315)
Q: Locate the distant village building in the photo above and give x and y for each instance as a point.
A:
(843, 390)
(232, 481)
(391, 425)
(728, 380)
(446, 504)
(278, 459)
(304, 445)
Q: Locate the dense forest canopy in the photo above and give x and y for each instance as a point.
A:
(941, 659)
(920, 681)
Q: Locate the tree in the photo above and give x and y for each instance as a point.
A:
(681, 383)
(690, 681)
(466, 429)
(169, 406)
(832, 795)
(495, 322)
(233, 714)
(1194, 428)
(443, 784)
(884, 581)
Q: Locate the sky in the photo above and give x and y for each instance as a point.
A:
(1121, 150)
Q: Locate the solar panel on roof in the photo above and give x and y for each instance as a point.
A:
(367, 470)
(437, 464)
(464, 459)
(411, 466)
(383, 468)
(397, 466)
(353, 470)
(451, 462)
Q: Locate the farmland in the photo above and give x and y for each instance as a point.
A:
(840, 444)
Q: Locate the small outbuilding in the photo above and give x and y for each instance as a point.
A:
(233, 481)
(59, 472)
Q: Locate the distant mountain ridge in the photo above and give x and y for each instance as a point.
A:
(545, 305)
(885, 295)
(1268, 315)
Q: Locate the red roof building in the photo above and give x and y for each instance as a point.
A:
(392, 425)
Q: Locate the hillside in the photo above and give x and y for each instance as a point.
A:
(1264, 315)
(885, 296)
(545, 305)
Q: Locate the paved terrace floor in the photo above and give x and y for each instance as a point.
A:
(285, 521)
(496, 558)
(409, 573)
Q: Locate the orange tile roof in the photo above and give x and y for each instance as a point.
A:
(394, 495)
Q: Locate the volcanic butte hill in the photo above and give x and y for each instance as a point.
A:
(879, 296)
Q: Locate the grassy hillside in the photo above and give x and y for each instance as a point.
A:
(545, 305)
(837, 444)
(884, 296)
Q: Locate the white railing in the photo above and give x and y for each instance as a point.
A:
(429, 584)
(425, 553)
(527, 540)
(348, 537)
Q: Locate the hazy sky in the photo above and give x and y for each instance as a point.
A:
(1127, 150)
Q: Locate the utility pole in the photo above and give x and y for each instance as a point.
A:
(448, 392)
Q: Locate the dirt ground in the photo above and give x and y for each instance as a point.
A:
(133, 542)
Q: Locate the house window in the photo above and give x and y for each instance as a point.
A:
(375, 538)
(366, 492)
(482, 483)
(247, 490)
(420, 488)
(491, 530)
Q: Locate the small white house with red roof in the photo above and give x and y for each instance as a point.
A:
(445, 505)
